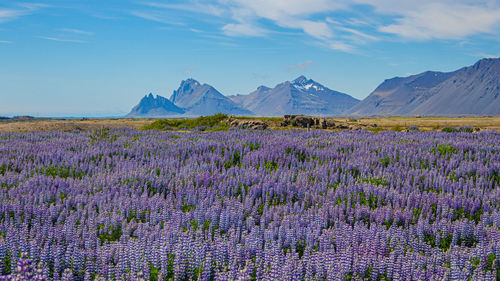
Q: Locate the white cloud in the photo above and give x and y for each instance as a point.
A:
(61, 39)
(154, 16)
(335, 24)
(489, 56)
(8, 14)
(340, 46)
(316, 29)
(302, 66)
(443, 22)
(443, 19)
(193, 6)
(5, 42)
(76, 31)
(243, 29)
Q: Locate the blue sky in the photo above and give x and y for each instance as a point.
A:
(98, 58)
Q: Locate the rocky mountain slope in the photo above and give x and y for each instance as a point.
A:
(472, 90)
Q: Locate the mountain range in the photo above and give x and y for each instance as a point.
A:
(300, 96)
(472, 90)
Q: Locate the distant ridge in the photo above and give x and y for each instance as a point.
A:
(300, 96)
(472, 90)
(149, 106)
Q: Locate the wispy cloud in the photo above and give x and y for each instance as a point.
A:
(19, 10)
(155, 16)
(489, 56)
(76, 31)
(437, 19)
(61, 39)
(340, 46)
(243, 29)
(5, 42)
(334, 25)
(301, 66)
(440, 21)
(8, 14)
(194, 6)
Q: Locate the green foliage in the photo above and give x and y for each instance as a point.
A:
(458, 130)
(153, 273)
(388, 223)
(300, 247)
(113, 234)
(101, 135)
(271, 166)
(260, 209)
(491, 259)
(300, 154)
(444, 149)
(203, 121)
(188, 208)
(62, 172)
(235, 160)
(252, 145)
(385, 161)
(206, 225)
(194, 224)
(372, 202)
(7, 263)
(170, 267)
(3, 169)
(375, 181)
(62, 196)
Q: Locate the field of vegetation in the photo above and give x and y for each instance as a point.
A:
(126, 204)
(217, 122)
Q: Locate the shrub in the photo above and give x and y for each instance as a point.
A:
(201, 123)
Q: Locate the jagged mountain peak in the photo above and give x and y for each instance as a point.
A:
(151, 106)
(190, 81)
(302, 83)
(300, 80)
(203, 99)
(152, 97)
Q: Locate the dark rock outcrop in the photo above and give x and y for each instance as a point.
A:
(248, 124)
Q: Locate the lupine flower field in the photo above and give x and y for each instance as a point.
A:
(250, 205)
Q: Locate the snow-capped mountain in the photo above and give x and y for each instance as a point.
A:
(300, 96)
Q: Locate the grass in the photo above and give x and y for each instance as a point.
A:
(383, 123)
(202, 123)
